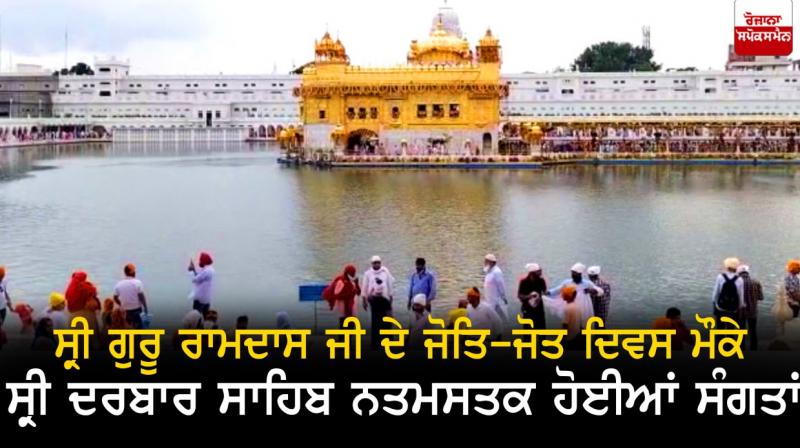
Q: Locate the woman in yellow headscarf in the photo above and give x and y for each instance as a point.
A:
(57, 311)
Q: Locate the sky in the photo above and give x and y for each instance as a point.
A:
(266, 36)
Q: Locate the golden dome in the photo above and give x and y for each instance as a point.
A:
(489, 48)
(441, 46)
(448, 17)
(326, 43)
(488, 40)
(328, 50)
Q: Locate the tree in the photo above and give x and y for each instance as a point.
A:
(615, 57)
(81, 68)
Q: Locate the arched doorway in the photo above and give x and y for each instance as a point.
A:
(362, 141)
(467, 149)
(487, 143)
(99, 131)
(262, 131)
(270, 131)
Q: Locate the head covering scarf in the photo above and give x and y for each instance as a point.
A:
(25, 312)
(793, 265)
(56, 299)
(342, 288)
(108, 306)
(205, 259)
(568, 291)
(663, 323)
(579, 268)
(79, 292)
(731, 263)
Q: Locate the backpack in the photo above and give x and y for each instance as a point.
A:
(728, 299)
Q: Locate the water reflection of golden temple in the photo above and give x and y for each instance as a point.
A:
(445, 96)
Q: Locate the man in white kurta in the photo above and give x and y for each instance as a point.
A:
(583, 299)
(494, 287)
(377, 292)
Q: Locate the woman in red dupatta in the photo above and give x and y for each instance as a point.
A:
(341, 293)
(81, 295)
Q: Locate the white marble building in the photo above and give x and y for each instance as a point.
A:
(671, 94)
(265, 104)
(114, 98)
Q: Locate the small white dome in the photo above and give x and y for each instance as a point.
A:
(449, 19)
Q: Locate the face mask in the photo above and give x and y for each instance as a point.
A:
(486, 269)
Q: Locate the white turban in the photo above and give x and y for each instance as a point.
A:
(593, 270)
(532, 267)
(731, 263)
(579, 268)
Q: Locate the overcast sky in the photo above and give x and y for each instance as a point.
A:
(258, 36)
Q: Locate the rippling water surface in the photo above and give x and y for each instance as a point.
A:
(660, 233)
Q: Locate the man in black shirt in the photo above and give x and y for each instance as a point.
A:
(530, 291)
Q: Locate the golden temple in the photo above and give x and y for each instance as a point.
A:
(446, 98)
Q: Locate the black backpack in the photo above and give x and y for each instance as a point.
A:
(728, 299)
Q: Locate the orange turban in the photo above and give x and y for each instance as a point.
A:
(2, 271)
(473, 293)
(662, 323)
(568, 291)
(793, 265)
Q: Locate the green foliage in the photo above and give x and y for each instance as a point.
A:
(81, 68)
(615, 57)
